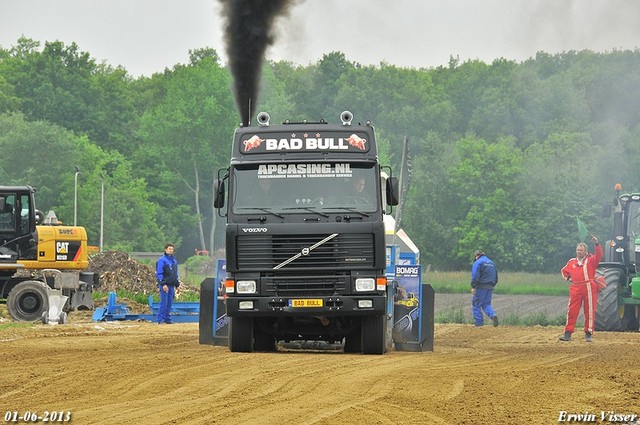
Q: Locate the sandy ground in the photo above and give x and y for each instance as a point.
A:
(142, 373)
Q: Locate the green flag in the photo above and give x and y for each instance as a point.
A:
(582, 230)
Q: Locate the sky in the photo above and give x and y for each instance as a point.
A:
(147, 36)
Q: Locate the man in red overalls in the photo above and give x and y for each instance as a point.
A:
(581, 271)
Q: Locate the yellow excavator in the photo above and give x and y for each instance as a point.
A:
(410, 301)
(42, 262)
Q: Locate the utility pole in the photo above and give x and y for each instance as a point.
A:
(75, 197)
(101, 210)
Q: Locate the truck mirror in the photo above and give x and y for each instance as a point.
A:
(218, 186)
(606, 210)
(392, 191)
(2, 201)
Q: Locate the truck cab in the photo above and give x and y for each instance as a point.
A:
(305, 238)
(17, 223)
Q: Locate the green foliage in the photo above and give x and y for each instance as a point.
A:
(129, 218)
(198, 261)
(184, 139)
(505, 155)
(63, 85)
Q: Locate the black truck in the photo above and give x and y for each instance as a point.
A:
(305, 239)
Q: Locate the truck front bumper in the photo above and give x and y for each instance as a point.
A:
(350, 305)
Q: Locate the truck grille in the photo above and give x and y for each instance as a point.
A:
(264, 252)
(307, 286)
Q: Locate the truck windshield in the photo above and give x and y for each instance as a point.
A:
(301, 187)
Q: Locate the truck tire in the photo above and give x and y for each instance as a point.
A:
(28, 300)
(241, 334)
(264, 342)
(609, 314)
(374, 331)
(353, 341)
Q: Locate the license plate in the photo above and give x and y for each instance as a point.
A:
(306, 303)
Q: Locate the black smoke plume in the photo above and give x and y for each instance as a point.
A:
(248, 34)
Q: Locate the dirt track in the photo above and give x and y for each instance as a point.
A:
(110, 373)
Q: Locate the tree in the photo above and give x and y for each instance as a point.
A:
(185, 138)
(486, 177)
(44, 155)
(63, 85)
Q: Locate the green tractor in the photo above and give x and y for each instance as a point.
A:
(618, 307)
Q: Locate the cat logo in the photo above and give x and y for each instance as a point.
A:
(62, 247)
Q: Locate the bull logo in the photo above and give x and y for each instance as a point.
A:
(251, 143)
(357, 141)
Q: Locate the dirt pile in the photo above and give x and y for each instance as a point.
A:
(119, 272)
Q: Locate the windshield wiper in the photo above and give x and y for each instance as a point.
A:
(350, 209)
(267, 210)
(313, 210)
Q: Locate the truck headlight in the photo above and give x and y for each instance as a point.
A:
(245, 305)
(365, 303)
(246, 287)
(365, 284)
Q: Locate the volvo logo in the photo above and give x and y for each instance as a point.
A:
(305, 251)
(254, 229)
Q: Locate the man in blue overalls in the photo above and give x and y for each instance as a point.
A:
(484, 277)
(168, 282)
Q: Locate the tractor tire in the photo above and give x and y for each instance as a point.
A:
(241, 334)
(374, 332)
(631, 318)
(28, 300)
(609, 314)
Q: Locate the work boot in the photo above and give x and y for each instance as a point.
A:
(494, 319)
(566, 336)
(587, 336)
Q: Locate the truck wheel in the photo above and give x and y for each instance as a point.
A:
(241, 334)
(28, 300)
(609, 314)
(353, 341)
(374, 330)
(263, 341)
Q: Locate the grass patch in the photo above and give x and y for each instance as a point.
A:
(534, 319)
(459, 315)
(510, 283)
(451, 315)
(15, 325)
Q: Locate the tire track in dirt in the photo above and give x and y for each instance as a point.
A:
(111, 373)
